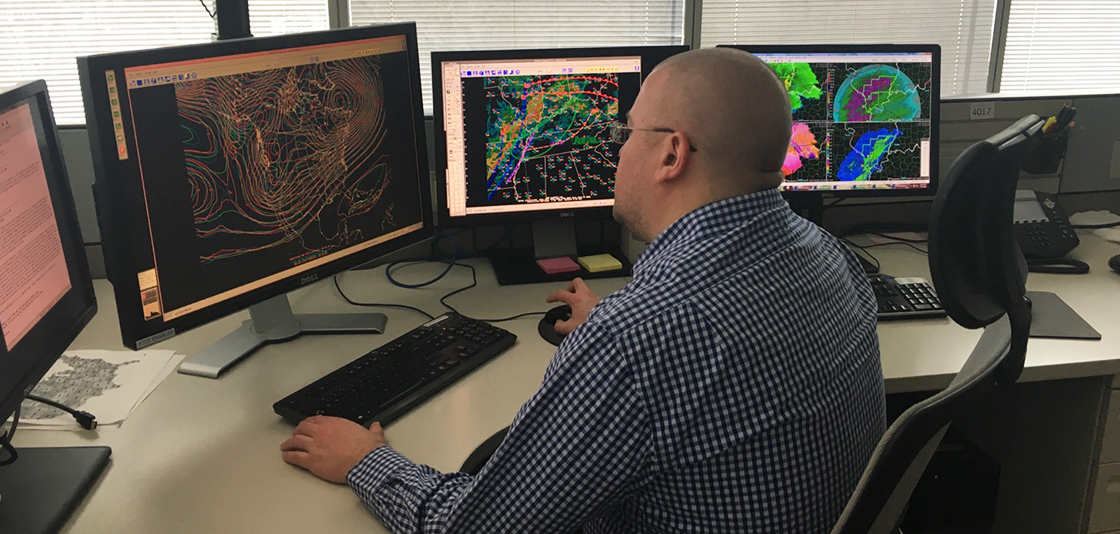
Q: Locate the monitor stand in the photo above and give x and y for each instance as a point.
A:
(272, 321)
(552, 238)
(44, 486)
(812, 209)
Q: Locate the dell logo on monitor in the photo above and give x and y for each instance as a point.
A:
(308, 279)
(566, 214)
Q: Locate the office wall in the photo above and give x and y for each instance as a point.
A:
(1092, 162)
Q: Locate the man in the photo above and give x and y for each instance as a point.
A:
(732, 386)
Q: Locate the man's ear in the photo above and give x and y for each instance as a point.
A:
(674, 157)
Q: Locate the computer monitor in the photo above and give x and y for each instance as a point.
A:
(46, 298)
(865, 119)
(230, 173)
(524, 136)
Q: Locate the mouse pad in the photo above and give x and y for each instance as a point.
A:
(1051, 317)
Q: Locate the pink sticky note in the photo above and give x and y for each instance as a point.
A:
(562, 264)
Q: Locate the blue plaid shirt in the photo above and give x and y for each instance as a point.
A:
(732, 386)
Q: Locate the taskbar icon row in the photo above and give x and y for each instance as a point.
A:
(855, 186)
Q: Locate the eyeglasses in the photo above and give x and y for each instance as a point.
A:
(620, 133)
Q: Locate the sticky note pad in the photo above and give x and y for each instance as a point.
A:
(599, 263)
(562, 264)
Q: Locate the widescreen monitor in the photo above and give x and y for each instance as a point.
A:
(230, 173)
(46, 298)
(524, 136)
(865, 118)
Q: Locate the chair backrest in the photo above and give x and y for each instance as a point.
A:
(979, 273)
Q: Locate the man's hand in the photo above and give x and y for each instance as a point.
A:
(330, 446)
(581, 300)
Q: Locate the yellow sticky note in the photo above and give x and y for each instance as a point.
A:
(599, 263)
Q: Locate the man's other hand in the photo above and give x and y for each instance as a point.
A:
(330, 446)
(580, 299)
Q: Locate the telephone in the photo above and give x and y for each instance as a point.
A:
(1044, 233)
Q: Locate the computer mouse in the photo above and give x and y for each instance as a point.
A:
(1114, 263)
(546, 329)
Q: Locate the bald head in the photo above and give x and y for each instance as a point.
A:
(733, 107)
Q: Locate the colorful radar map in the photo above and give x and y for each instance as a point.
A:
(548, 137)
(286, 159)
(876, 93)
(803, 145)
(801, 83)
(855, 122)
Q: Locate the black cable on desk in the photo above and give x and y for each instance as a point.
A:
(85, 419)
(474, 282)
(451, 263)
(376, 304)
(907, 243)
(896, 238)
(6, 441)
(1096, 226)
(871, 257)
(506, 237)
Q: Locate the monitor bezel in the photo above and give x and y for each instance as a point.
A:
(653, 54)
(134, 332)
(935, 112)
(33, 356)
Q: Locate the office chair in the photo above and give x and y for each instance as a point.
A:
(980, 276)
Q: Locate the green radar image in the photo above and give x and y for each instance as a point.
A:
(801, 82)
(877, 93)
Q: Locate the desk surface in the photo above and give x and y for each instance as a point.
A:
(203, 455)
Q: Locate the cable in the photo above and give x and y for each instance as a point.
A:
(454, 256)
(474, 282)
(505, 237)
(881, 227)
(376, 304)
(6, 441)
(896, 238)
(85, 419)
(907, 243)
(206, 7)
(6, 444)
(869, 256)
(1096, 226)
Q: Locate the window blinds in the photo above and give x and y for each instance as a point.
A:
(1058, 45)
(42, 38)
(505, 24)
(963, 28)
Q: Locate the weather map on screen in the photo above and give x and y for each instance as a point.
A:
(860, 120)
(548, 137)
(286, 158)
(259, 166)
(533, 134)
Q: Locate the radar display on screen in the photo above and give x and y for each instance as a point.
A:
(860, 121)
(548, 137)
(533, 134)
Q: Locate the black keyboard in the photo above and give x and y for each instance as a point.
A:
(396, 377)
(905, 298)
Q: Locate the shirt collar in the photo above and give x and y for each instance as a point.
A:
(710, 219)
